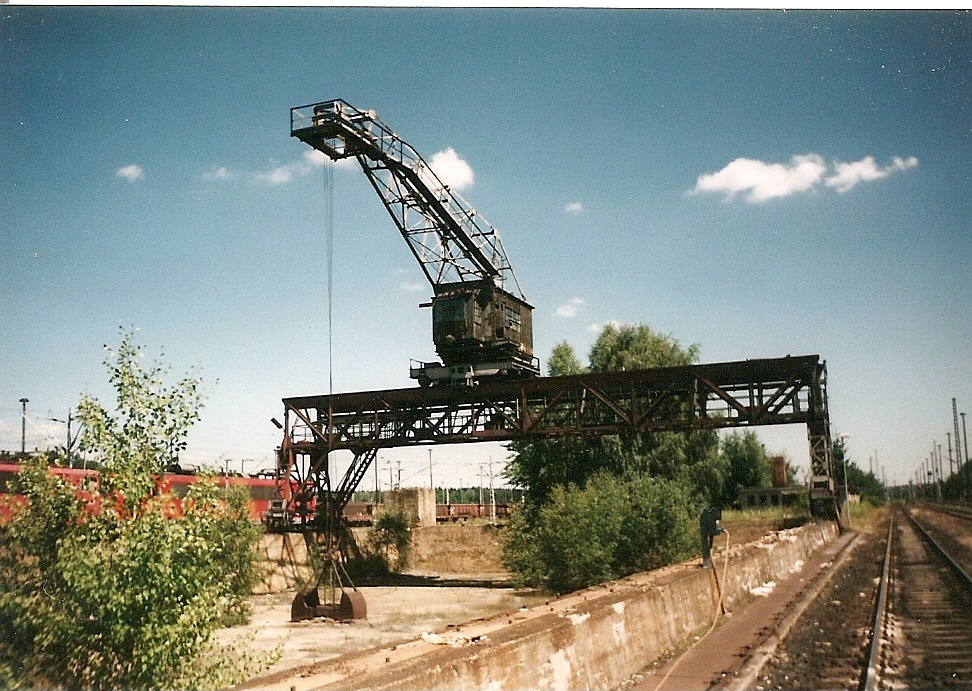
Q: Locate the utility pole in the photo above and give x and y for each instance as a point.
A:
(67, 444)
(23, 425)
(948, 436)
(967, 491)
(492, 494)
(955, 429)
(842, 437)
(965, 440)
(480, 489)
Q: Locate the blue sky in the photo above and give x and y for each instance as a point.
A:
(760, 183)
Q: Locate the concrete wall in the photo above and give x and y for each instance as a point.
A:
(595, 638)
(418, 503)
(470, 550)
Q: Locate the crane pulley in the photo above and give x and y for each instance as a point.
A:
(480, 327)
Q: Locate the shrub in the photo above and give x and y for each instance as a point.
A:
(390, 537)
(613, 527)
(118, 589)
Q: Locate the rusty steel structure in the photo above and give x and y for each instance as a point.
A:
(789, 390)
(487, 386)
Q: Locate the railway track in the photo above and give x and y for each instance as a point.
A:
(922, 635)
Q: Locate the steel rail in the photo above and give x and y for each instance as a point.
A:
(956, 567)
(877, 636)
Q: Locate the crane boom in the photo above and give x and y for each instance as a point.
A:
(451, 242)
(479, 328)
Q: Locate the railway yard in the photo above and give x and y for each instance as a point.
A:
(809, 630)
(922, 636)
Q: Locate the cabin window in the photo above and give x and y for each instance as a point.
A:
(512, 319)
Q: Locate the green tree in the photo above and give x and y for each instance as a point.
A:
(865, 484)
(747, 464)
(636, 346)
(123, 587)
(563, 361)
(541, 465)
(596, 508)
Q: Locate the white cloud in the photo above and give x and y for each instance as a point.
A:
(412, 286)
(763, 181)
(847, 175)
(218, 173)
(598, 328)
(760, 181)
(574, 208)
(279, 175)
(453, 171)
(311, 160)
(570, 308)
(315, 158)
(131, 172)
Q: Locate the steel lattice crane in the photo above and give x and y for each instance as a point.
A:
(482, 326)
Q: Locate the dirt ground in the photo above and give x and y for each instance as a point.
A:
(395, 614)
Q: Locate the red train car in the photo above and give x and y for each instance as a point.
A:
(263, 491)
(86, 482)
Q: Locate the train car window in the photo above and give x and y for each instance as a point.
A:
(7, 478)
(264, 492)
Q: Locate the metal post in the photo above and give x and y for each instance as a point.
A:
(492, 493)
(965, 444)
(951, 470)
(958, 445)
(842, 437)
(67, 446)
(23, 425)
(965, 440)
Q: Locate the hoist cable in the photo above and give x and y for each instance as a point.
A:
(329, 252)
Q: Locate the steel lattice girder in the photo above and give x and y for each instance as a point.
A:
(708, 396)
(733, 394)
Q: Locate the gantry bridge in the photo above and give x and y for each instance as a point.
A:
(746, 393)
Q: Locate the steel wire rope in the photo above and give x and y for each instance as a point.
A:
(329, 259)
(715, 616)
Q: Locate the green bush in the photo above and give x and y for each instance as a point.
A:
(390, 536)
(123, 588)
(612, 527)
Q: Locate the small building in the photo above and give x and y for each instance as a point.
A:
(770, 497)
